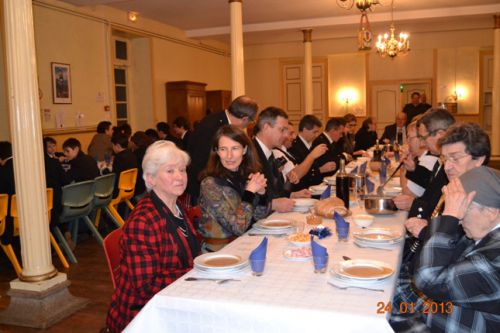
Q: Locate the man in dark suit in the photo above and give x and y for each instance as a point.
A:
(329, 162)
(240, 113)
(82, 166)
(414, 108)
(397, 131)
(180, 127)
(309, 129)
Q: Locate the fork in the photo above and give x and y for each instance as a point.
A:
(218, 281)
(355, 287)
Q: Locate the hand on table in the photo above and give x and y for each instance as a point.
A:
(327, 167)
(403, 201)
(283, 205)
(414, 225)
(305, 193)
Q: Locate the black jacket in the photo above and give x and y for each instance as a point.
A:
(83, 167)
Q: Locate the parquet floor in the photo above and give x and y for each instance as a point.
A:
(89, 278)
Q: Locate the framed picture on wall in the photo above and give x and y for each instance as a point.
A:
(61, 83)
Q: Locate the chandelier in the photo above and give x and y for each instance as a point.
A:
(362, 5)
(388, 45)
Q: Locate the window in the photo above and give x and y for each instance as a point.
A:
(121, 94)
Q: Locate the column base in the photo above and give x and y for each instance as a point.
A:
(42, 308)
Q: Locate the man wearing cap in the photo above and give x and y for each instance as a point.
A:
(461, 273)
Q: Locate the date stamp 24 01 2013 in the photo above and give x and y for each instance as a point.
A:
(428, 307)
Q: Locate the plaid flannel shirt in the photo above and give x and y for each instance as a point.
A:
(149, 263)
(452, 268)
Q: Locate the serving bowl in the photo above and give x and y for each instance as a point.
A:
(363, 220)
(380, 205)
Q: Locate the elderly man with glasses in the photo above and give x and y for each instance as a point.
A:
(458, 270)
(463, 148)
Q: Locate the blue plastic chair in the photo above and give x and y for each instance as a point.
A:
(103, 195)
(77, 202)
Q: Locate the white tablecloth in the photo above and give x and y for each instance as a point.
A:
(288, 297)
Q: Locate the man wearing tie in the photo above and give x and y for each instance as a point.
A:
(397, 131)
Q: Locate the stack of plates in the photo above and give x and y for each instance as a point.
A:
(220, 263)
(274, 226)
(392, 190)
(377, 238)
(361, 273)
(303, 205)
(318, 189)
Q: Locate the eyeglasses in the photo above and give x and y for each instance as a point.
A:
(452, 159)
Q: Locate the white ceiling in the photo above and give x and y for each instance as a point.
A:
(280, 20)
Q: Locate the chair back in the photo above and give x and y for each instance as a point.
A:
(113, 253)
(126, 183)
(77, 200)
(15, 215)
(104, 189)
(4, 203)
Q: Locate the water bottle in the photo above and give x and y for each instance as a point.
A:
(342, 184)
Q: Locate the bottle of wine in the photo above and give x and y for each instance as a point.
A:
(342, 184)
(377, 153)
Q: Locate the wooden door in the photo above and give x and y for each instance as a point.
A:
(386, 101)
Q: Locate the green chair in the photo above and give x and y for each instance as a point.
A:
(77, 203)
(103, 195)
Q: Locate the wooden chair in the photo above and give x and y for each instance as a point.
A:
(8, 249)
(126, 189)
(15, 216)
(113, 253)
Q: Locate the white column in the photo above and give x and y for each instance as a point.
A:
(237, 57)
(495, 112)
(27, 140)
(308, 82)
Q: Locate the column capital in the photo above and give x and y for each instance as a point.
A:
(229, 1)
(496, 19)
(307, 35)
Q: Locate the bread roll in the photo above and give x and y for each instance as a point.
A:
(327, 207)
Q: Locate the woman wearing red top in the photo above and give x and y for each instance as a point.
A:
(159, 242)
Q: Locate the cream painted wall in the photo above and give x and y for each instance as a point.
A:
(141, 115)
(347, 79)
(263, 78)
(460, 66)
(174, 62)
(81, 43)
(4, 104)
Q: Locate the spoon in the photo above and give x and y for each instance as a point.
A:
(354, 287)
(218, 281)
(380, 189)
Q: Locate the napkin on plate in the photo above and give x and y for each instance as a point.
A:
(383, 172)
(259, 253)
(317, 249)
(370, 186)
(326, 193)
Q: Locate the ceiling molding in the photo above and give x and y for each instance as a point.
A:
(352, 19)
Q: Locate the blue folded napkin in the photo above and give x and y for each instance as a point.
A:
(354, 171)
(383, 172)
(342, 226)
(370, 186)
(326, 193)
(363, 168)
(396, 155)
(318, 250)
(259, 253)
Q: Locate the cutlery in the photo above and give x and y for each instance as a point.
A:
(371, 247)
(380, 189)
(259, 234)
(218, 281)
(354, 287)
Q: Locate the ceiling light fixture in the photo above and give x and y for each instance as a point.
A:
(364, 31)
(388, 45)
(362, 5)
(132, 16)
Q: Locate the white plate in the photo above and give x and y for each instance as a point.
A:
(304, 202)
(219, 261)
(392, 190)
(318, 189)
(377, 235)
(305, 251)
(330, 180)
(274, 224)
(361, 269)
(304, 243)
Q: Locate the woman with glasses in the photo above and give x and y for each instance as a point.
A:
(231, 194)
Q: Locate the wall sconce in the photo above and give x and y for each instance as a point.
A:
(132, 16)
(461, 93)
(347, 96)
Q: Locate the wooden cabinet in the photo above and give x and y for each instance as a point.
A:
(187, 99)
(218, 100)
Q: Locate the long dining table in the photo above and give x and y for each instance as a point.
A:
(288, 297)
